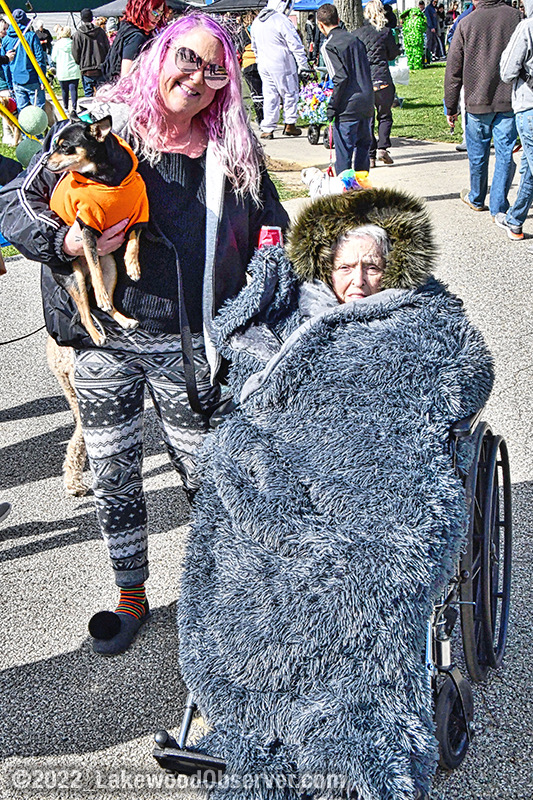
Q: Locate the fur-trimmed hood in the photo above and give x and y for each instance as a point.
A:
(404, 218)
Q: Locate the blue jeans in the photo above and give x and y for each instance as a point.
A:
(518, 213)
(90, 83)
(28, 95)
(352, 143)
(480, 129)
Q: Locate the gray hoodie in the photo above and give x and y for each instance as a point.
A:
(517, 56)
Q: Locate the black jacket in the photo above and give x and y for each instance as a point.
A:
(127, 44)
(29, 224)
(347, 64)
(90, 46)
(381, 48)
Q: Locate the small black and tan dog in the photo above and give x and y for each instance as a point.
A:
(100, 188)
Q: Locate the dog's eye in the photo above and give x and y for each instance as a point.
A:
(64, 147)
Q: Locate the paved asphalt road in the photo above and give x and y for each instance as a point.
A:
(75, 725)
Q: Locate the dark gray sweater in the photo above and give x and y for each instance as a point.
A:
(474, 59)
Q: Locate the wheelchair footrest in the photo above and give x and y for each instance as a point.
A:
(187, 761)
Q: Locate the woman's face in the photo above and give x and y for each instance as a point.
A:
(154, 16)
(357, 269)
(186, 94)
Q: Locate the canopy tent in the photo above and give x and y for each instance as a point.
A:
(51, 6)
(234, 6)
(61, 6)
(117, 7)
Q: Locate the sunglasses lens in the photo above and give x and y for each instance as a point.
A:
(188, 61)
(216, 76)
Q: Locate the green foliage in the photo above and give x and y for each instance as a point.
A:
(286, 192)
(422, 115)
(7, 150)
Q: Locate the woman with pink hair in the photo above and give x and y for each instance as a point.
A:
(180, 109)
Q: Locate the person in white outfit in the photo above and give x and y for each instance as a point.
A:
(280, 57)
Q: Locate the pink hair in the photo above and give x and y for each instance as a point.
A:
(225, 119)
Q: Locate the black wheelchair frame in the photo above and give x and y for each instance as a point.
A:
(478, 593)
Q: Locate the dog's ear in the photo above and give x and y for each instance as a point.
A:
(99, 130)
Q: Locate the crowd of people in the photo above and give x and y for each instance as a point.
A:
(281, 333)
(273, 54)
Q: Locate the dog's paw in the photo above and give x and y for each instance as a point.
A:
(102, 300)
(133, 271)
(76, 489)
(130, 324)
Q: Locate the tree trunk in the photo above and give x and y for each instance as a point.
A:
(351, 13)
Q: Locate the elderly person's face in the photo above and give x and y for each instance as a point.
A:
(186, 92)
(357, 269)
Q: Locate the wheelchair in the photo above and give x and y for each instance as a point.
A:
(478, 595)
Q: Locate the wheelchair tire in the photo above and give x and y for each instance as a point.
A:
(496, 552)
(325, 139)
(451, 727)
(471, 590)
(313, 134)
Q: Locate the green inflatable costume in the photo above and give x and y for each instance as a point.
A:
(414, 25)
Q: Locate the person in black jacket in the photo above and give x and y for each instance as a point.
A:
(381, 48)
(209, 196)
(142, 20)
(90, 46)
(351, 104)
(45, 37)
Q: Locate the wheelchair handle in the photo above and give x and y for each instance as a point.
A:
(464, 427)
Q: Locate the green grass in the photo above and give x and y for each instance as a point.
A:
(422, 115)
(8, 151)
(285, 192)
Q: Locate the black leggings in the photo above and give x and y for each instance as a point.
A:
(253, 79)
(383, 99)
(69, 87)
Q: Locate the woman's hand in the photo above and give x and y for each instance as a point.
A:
(110, 240)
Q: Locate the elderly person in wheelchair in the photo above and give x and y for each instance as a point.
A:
(330, 516)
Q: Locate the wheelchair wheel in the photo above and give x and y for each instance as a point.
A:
(451, 727)
(471, 591)
(313, 134)
(496, 552)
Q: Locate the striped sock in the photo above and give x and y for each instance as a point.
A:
(132, 601)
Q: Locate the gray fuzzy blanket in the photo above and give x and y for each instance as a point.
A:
(329, 520)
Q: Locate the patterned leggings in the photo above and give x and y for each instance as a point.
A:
(110, 386)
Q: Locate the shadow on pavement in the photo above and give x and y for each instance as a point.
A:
(167, 509)
(437, 197)
(79, 702)
(35, 408)
(41, 457)
(36, 458)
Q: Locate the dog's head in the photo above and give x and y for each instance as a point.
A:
(320, 184)
(79, 147)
